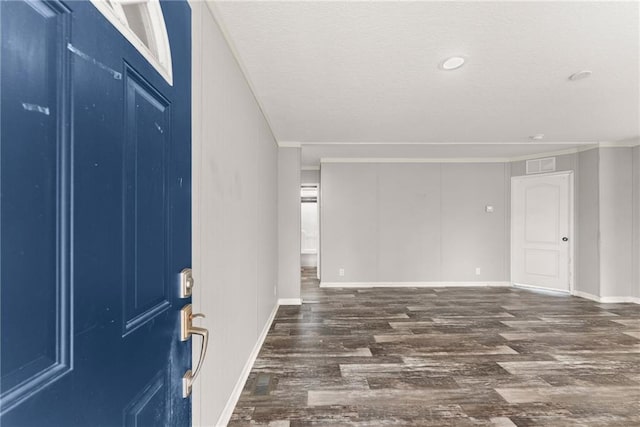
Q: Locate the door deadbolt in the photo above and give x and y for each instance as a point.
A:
(186, 283)
(565, 239)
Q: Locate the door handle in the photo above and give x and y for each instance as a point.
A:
(565, 239)
(186, 331)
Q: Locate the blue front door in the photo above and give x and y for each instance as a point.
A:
(95, 208)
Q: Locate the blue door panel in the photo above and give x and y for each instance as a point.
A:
(148, 407)
(147, 125)
(97, 150)
(95, 181)
(33, 199)
(33, 203)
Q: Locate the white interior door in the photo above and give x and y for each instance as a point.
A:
(541, 230)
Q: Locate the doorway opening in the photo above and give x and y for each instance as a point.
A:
(309, 228)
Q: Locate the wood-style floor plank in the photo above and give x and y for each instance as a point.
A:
(498, 357)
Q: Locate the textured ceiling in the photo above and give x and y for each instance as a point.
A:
(364, 71)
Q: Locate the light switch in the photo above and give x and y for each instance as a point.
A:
(489, 209)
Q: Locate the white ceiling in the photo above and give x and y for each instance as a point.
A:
(364, 71)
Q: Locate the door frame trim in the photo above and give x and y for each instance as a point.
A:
(572, 233)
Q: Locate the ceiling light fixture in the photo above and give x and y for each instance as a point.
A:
(580, 75)
(537, 137)
(452, 63)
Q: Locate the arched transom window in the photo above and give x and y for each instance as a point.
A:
(142, 23)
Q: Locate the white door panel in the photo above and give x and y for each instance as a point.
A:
(540, 220)
(542, 207)
(541, 262)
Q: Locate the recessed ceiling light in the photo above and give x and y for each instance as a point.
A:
(580, 75)
(452, 63)
(537, 137)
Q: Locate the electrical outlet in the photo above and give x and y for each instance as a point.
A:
(477, 271)
(341, 272)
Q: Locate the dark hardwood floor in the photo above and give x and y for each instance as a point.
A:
(445, 357)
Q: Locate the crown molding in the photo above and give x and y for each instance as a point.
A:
(217, 16)
(289, 144)
(553, 153)
(413, 160)
(585, 147)
(625, 143)
(393, 143)
(457, 159)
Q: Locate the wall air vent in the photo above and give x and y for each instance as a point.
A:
(541, 165)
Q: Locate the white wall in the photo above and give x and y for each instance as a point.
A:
(471, 237)
(289, 223)
(636, 222)
(587, 223)
(425, 222)
(310, 177)
(234, 216)
(309, 260)
(413, 222)
(616, 223)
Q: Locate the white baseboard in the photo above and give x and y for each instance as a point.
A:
(606, 300)
(290, 301)
(225, 416)
(541, 289)
(586, 295)
(613, 300)
(411, 284)
(293, 301)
